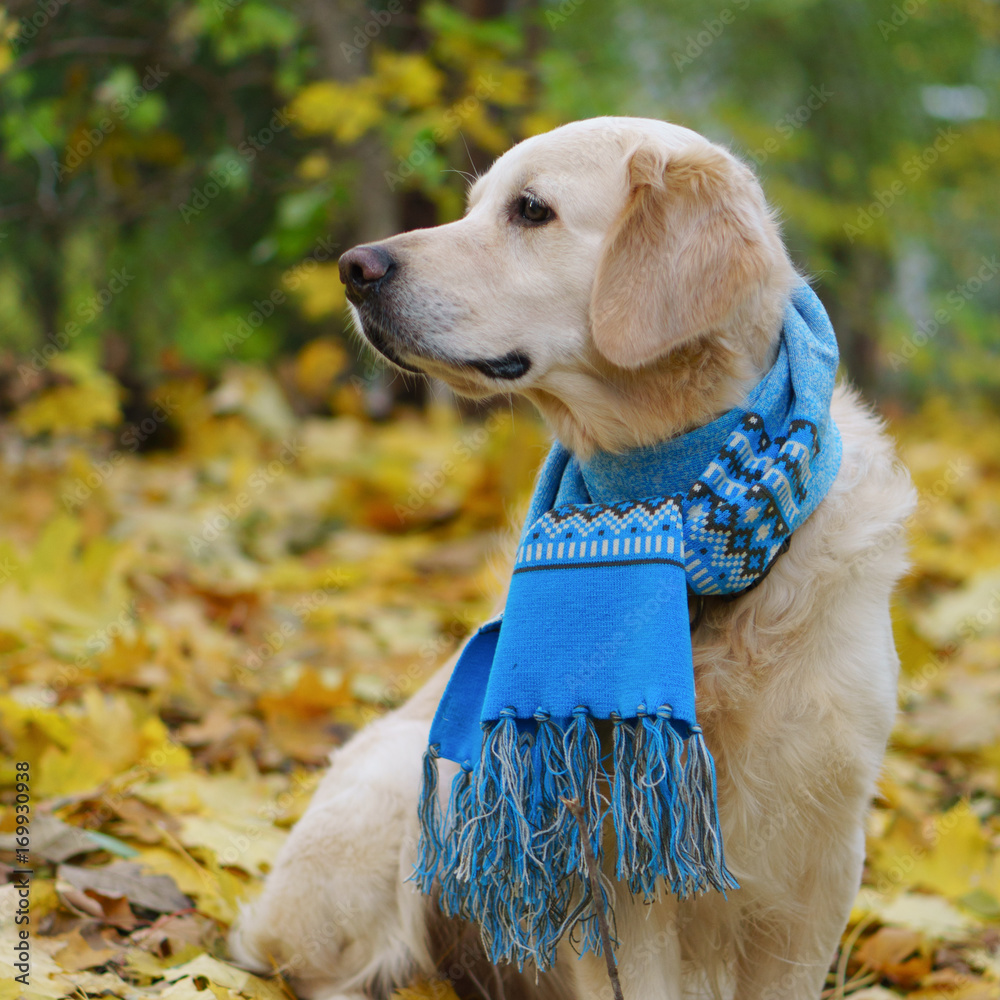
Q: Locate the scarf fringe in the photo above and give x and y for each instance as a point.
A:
(507, 853)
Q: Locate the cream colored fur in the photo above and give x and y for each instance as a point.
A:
(649, 304)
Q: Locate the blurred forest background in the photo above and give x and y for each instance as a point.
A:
(228, 538)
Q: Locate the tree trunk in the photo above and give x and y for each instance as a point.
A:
(863, 273)
(377, 212)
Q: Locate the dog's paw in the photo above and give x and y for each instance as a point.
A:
(336, 915)
(252, 948)
(338, 996)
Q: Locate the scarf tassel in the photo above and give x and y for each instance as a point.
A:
(429, 814)
(507, 852)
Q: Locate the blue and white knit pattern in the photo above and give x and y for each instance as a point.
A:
(737, 514)
(630, 530)
(596, 628)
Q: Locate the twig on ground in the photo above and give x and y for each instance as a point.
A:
(573, 805)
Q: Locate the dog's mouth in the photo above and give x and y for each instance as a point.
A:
(404, 353)
(507, 368)
(375, 333)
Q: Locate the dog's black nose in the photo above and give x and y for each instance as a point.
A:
(361, 270)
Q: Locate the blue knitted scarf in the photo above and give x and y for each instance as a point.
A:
(596, 627)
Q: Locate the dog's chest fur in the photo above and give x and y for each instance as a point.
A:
(796, 681)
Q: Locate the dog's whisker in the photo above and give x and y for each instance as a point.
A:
(471, 178)
(472, 162)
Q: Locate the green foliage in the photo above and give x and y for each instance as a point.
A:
(209, 145)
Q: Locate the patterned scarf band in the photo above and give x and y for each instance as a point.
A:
(596, 628)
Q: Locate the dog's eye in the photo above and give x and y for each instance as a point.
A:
(534, 211)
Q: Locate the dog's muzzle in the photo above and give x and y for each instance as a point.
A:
(365, 270)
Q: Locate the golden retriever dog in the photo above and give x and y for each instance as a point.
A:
(627, 276)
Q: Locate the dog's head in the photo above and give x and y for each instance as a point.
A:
(623, 273)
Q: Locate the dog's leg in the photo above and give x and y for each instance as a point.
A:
(787, 956)
(336, 913)
(648, 955)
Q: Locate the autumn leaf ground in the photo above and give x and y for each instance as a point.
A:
(185, 633)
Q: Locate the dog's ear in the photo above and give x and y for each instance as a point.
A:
(693, 241)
